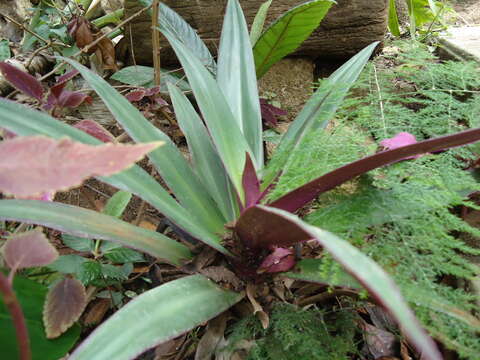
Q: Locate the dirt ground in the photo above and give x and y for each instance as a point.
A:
(468, 12)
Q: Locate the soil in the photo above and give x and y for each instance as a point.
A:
(468, 12)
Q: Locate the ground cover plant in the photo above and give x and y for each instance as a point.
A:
(227, 198)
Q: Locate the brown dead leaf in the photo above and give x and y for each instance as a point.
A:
(220, 274)
(257, 308)
(107, 53)
(96, 312)
(167, 350)
(380, 343)
(212, 337)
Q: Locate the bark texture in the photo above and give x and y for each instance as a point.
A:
(349, 26)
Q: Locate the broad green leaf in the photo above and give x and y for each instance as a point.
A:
(223, 128)
(88, 223)
(319, 109)
(259, 21)
(393, 24)
(170, 21)
(312, 270)
(25, 121)
(124, 255)
(206, 161)
(78, 243)
(138, 75)
(117, 204)
(237, 80)
(31, 296)
(288, 32)
(168, 160)
(68, 264)
(156, 316)
(287, 227)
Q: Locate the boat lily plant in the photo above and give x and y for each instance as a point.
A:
(220, 197)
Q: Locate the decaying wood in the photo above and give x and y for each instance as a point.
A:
(349, 26)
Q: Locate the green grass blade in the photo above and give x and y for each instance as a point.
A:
(288, 32)
(371, 276)
(117, 204)
(169, 161)
(236, 78)
(393, 24)
(156, 316)
(91, 224)
(223, 128)
(206, 161)
(318, 110)
(170, 21)
(259, 21)
(25, 121)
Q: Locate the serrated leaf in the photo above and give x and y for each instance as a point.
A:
(90, 271)
(34, 164)
(64, 304)
(22, 81)
(31, 296)
(117, 204)
(77, 243)
(262, 227)
(174, 308)
(68, 264)
(288, 32)
(124, 255)
(29, 249)
(259, 21)
(114, 272)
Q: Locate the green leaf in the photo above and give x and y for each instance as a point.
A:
(117, 204)
(4, 50)
(138, 75)
(77, 243)
(68, 264)
(259, 21)
(123, 255)
(311, 270)
(318, 110)
(237, 80)
(393, 24)
(205, 159)
(288, 32)
(360, 266)
(25, 121)
(88, 223)
(91, 273)
(156, 316)
(168, 160)
(31, 296)
(224, 130)
(170, 21)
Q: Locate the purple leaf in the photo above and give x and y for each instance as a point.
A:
(96, 130)
(67, 76)
(270, 112)
(64, 304)
(135, 95)
(22, 81)
(301, 196)
(250, 183)
(153, 91)
(265, 220)
(399, 140)
(35, 164)
(72, 99)
(279, 260)
(29, 249)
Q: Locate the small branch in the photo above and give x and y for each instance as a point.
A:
(11, 302)
(24, 28)
(156, 41)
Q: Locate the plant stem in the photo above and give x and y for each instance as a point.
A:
(11, 302)
(112, 18)
(156, 41)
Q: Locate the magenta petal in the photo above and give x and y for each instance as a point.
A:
(279, 260)
(399, 140)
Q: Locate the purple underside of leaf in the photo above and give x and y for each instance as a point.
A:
(67, 76)
(64, 304)
(73, 99)
(250, 182)
(95, 129)
(135, 95)
(29, 249)
(22, 81)
(265, 227)
(279, 260)
(301, 196)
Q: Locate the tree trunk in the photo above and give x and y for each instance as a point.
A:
(349, 26)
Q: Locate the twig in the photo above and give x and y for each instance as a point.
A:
(380, 100)
(156, 41)
(24, 28)
(11, 302)
(324, 296)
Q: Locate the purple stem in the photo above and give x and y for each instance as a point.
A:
(11, 302)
